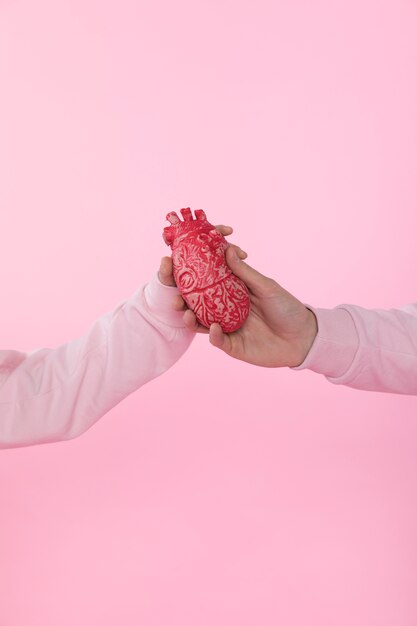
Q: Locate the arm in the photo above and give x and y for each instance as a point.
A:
(51, 395)
(375, 350)
(366, 349)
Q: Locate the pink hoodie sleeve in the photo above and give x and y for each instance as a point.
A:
(50, 395)
(375, 349)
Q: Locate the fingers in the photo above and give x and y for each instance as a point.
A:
(241, 253)
(165, 272)
(190, 322)
(228, 230)
(219, 339)
(258, 283)
(224, 230)
(178, 303)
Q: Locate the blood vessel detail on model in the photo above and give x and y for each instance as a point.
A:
(203, 277)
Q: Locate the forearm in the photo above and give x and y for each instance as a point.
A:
(51, 395)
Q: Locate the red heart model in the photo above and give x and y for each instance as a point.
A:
(203, 277)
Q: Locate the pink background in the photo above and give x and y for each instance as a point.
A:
(219, 493)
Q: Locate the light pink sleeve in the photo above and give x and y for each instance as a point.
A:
(375, 349)
(50, 395)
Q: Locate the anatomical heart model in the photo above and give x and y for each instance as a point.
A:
(203, 277)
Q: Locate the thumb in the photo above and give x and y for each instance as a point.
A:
(253, 279)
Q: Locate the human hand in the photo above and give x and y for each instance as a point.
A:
(279, 330)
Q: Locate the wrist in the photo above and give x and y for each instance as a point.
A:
(336, 345)
(159, 300)
(307, 337)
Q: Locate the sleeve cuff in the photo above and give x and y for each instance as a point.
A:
(335, 345)
(159, 300)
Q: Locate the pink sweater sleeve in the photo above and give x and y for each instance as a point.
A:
(50, 395)
(372, 349)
